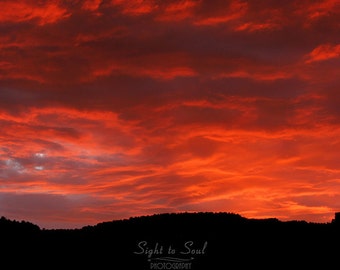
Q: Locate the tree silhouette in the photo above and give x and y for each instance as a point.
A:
(229, 240)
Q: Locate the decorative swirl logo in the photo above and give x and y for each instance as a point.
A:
(171, 259)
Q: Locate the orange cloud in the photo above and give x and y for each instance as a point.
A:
(205, 169)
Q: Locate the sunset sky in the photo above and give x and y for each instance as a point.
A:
(111, 109)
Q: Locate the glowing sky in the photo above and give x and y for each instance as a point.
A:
(111, 109)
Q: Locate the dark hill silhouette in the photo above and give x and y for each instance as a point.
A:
(7, 225)
(177, 241)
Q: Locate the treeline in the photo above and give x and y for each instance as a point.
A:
(14, 226)
(205, 240)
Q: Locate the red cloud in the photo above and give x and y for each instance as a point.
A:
(324, 52)
(236, 10)
(156, 73)
(91, 5)
(27, 11)
(111, 109)
(252, 27)
(135, 7)
(178, 10)
(322, 8)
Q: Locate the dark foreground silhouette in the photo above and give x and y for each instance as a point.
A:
(175, 241)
